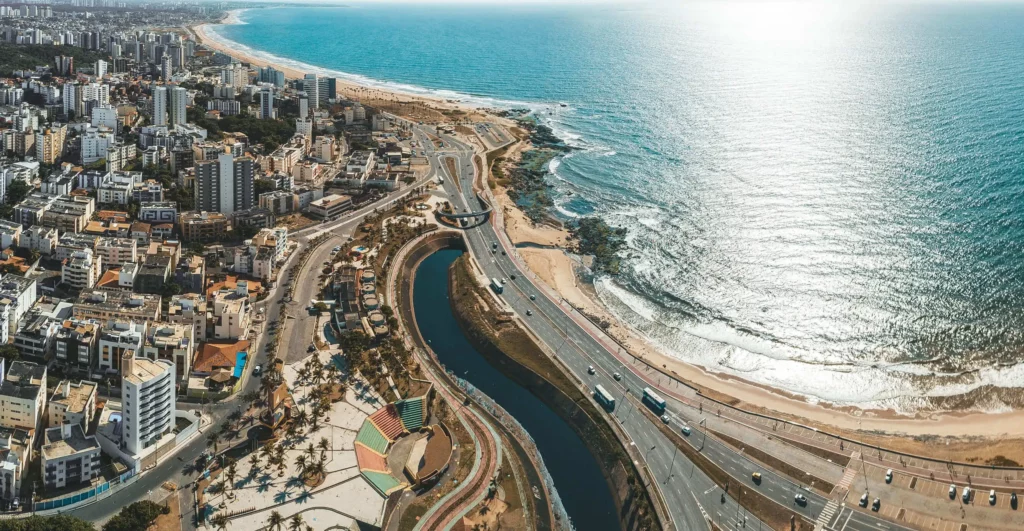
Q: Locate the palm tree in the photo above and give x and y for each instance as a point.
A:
(254, 464)
(220, 521)
(275, 521)
(301, 463)
(324, 445)
(212, 439)
(296, 523)
(317, 469)
(311, 452)
(301, 418)
(230, 474)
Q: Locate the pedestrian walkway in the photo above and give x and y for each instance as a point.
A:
(826, 515)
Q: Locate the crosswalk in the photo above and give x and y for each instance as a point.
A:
(847, 479)
(826, 515)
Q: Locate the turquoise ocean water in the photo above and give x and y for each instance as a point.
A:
(827, 199)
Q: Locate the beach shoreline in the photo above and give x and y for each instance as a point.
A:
(546, 256)
(417, 107)
(549, 261)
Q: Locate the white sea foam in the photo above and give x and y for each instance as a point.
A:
(720, 349)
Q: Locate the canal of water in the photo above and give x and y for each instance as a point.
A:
(576, 473)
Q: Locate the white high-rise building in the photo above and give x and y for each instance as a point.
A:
(104, 116)
(159, 105)
(266, 103)
(101, 68)
(70, 96)
(176, 109)
(303, 106)
(166, 68)
(311, 85)
(147, 401)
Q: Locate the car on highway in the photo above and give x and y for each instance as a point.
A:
(513, 277)
(875, 505)
(685, 429)
(504, 253)
(529, 312)
(494, 245)
(888, 476)
(504, 280)
(533, 297)
(864, 500)
(257, 370)
(756, 477)
(665, 419)
(617, 376)
(992, 497)
(800, 499)
(590, 369)
(952, 491)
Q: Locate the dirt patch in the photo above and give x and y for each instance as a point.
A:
(170, 521)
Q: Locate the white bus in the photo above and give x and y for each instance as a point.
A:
(603, 397)
(654, 401)
(497, 286)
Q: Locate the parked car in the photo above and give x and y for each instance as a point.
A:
(864, 500)
(875, 505)
(257, 370)
(888, 476)
(967, 494)
(952, 491)
(992, 497)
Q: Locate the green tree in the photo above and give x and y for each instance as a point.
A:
(17, 191)
(139, 515)
(46, 523)
(9, 353)
(170, 289)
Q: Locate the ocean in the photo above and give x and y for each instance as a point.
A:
(827, 199)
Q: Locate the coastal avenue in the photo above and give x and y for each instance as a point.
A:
(173, 469)
(687, 490)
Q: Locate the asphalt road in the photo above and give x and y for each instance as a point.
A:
(687, 495)
(292, 348)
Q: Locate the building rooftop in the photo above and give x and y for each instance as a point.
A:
(144, 370)
(73, 397)
(166, 335)
(57, 445)
(26, 373)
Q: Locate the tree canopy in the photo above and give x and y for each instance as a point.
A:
(46, 523)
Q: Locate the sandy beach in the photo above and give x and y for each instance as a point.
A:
(545, 256)
(547, 259)
(412, 106)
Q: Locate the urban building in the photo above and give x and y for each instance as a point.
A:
(106, 305)
(203, 226)
(147, 401)
(69, 458)
(174, 343)
(73, 404)
(225, 185)
(23, 396)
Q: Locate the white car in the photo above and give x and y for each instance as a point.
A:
(590, 369)
(888, 476)
(952, 491)
(992, 497)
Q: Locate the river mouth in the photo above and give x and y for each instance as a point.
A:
(576, 473)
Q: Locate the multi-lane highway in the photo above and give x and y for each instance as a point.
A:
(689, 493)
